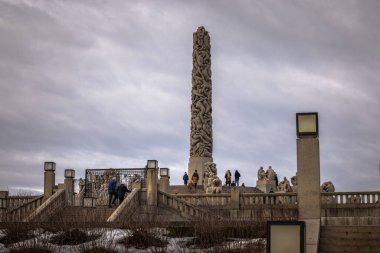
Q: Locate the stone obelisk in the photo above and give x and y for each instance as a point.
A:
(201, 109)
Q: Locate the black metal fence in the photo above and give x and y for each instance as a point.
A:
(97, 178)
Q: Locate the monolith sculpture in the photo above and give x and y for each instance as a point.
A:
(201, 109)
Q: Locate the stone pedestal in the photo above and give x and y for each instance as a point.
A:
(69, 190)
(266, 185)
(151, 188)
(235, 198)
(164, 184)
(49, 183)
(197, 163)
(308, 189)
(308, 178)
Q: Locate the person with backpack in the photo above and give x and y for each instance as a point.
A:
(195, 178)
(237, 177)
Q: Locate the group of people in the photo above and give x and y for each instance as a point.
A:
(193, 181)
(228, 177)
(116, 191)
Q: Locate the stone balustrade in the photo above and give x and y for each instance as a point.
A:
(126, 208)
(250, 199)
(45, 211)
(223, 200)
(347, 198)
(203, 199)
(22, 208)
(186, 208)
(16, 201)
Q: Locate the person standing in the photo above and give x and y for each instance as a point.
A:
(227, 176)
(121, 190)
(195, 178)
(185, 178)
(111, 191)
(237, 177)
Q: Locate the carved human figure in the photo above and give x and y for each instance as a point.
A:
(284, 185)
(327, 187)
(201, 109)
(214, 184)
(270, 173)
(293, 179)
(261, 175)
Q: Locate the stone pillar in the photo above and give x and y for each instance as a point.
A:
(151, 191)
(308, 189)
(136, 185)
(308, 177)
(69, 186)
(49, 179)
(164, 184)
(201, 142)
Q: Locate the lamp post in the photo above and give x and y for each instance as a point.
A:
(49, 179)
(164, 179)
(151, 191)
(308, 177)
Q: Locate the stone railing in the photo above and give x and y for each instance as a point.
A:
(126, 208)
(49, 207)
(250, 199)
(185, 208)
(16, 201)
(349, 198)
(203, 199)
(224, 200)
(23, 208)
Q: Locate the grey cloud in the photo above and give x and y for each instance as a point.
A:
(90, 84)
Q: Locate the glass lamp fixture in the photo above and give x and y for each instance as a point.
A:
(307, 124)
(69, 173)
(164, 172)
(49, 166)
(152, 164)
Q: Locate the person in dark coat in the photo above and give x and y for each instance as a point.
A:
(237, 177)
(185, 178)
(111, 191)
(121, 190)
(195, 178)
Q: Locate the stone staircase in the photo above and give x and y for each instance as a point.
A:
(349, 239)
(81, 214)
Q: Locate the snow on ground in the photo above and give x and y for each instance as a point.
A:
(109, 239)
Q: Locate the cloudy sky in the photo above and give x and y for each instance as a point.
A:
(101, 84)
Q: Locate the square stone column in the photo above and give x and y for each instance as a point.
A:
(308, 177)
(308, 189)
(164, 184)
(151, 191)
(49, 179)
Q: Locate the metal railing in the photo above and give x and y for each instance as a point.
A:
(96, 180)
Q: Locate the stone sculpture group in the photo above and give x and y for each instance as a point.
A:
(201, 118)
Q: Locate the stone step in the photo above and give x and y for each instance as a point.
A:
(351, 242)
(74, 214)
(348, 249)
(336, 229)
(349, 239)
